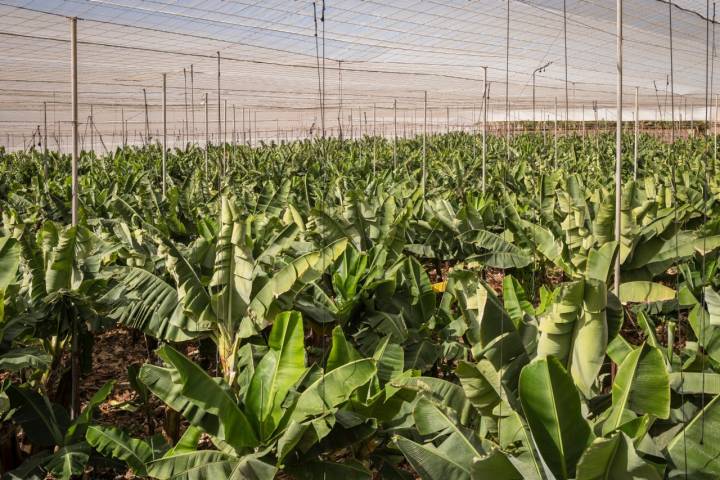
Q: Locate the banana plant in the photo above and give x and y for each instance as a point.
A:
(286, 408)
(248, 287)
(59, 444)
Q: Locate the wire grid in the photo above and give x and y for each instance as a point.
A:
(375, 53)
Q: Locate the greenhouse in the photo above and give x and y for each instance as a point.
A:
(359, 239)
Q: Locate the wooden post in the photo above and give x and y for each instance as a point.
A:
(164, 142)
(75, 346)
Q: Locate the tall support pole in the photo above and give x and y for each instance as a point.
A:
(187, 120)
(192, 99)
(424, 144)
(147, 118)
(75, 138)
(715, 125)
(637, 133)
(219, 122)
(583, 120)
(234, 134)
(533, 98)
(672, 76)
(618, 142)
(484, 129)
(555, 125)
(447, 118)
(164, 142)
(45, 147)
(75, 347)
(567, 103)
(225, 136)
(395, 134)
(207, 131)
(92, 133)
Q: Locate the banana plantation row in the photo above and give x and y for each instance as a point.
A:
(356, 310)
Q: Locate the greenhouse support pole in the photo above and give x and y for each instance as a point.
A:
(45, 148)
(75, 346)
(207, 133)
(147, 119)
(122, 127)
(484, 129)
(164, 141)
(424, 148)
(395, 135)
(92, 134)
(637, 133)
(715, 122)
(224, 138)
(75, 139)
(219, 108)
(192, 99)
(618, 144)
(187, 121)
(583, 120)
(447, 115)
(555, 125)
(234, 134)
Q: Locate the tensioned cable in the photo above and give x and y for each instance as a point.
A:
(165, 31)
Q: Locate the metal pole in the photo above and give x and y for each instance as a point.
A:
(75, 347)
(395, 135)
(637, 133)
(219, 122)
(207, 132)
(192, 99)
(122, 126)
(234, 134)
(424, 149)
(187, 122)
(484, 131)
(618, 144)
(555, 124)
(533, 98)
(45, 147)
(225, 136)
(147, 118)
(164, 142)
(92, 134)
